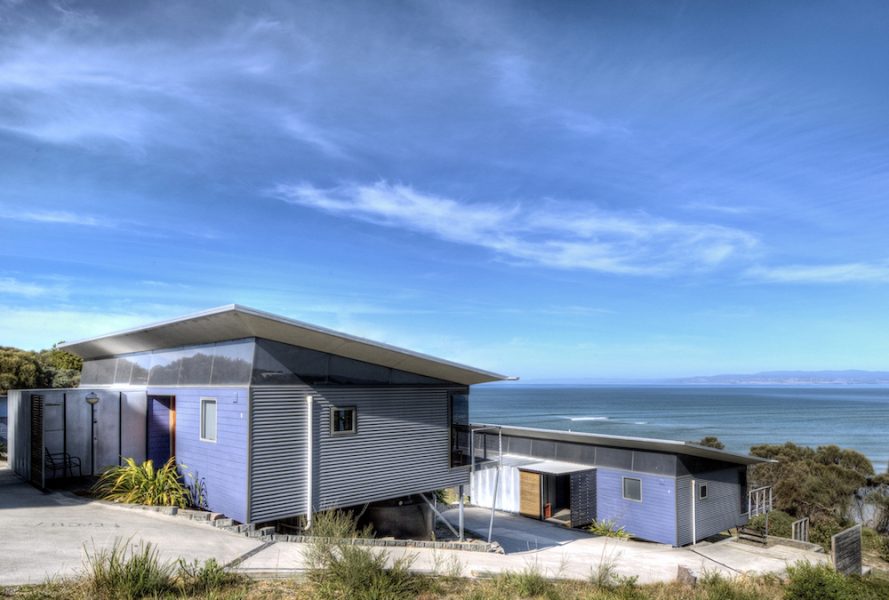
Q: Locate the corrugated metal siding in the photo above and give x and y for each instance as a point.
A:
(402, 445)
(220, 465)
(683, 510)
(721, 510)
(278, 452)
(652, 519)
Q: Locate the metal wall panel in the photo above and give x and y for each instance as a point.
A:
(721, 510)
(402, 445)
(19, 419)
(583, 498)
(277, 479)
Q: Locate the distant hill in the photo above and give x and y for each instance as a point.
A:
(792, 377)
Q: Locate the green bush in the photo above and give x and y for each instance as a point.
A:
(203, 579)
(883, 548)
(132, 483)
(780, 523)
(527, 583)
(336, 525)
(608, 528)
(128, 572)
(342, 570)
(818, 582)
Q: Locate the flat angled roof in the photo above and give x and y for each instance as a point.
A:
(631, 443)
(235, 322)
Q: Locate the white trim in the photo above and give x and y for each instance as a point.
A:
(309, 463)
(201, 428)
(623, 488)
(353, 431)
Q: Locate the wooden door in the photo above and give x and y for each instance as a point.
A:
(529, 494)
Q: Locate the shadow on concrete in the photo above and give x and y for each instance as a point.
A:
(15, 492)
(516, 533)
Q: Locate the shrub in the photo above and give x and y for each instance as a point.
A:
(336, 525)
(883, 548)
(780, 523)
(202, 579)
(143, 484)
(608, 528)
(127, 572)
(817, 582)
(343, 570)
(527, 583)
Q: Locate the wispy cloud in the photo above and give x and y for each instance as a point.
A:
(60, 217)
(827, 274)
(726, 209)
(15, 287)
(553, 235)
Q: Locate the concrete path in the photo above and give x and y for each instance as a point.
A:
(44, 535)
(561, 552)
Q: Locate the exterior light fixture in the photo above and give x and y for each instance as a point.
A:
(92, 398)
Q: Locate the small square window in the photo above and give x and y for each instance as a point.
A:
(632, 489)
(208, 419)
(703, 491)
(343, 420)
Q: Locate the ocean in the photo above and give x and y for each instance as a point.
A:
(851, 416)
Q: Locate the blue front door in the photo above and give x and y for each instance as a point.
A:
(161, 433)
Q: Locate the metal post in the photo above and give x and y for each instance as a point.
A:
(496, 482)
(694, 518)
(460, 493)
(309, 466)
(93, 438)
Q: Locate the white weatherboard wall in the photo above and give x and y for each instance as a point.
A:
(483, 482)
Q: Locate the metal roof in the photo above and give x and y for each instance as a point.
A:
(632, 443)
(235, 322)
(548, 467)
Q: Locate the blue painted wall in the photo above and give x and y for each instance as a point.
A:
(221, 465)
(159, 430)
(654, 518)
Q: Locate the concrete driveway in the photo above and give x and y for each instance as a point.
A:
(560, 552)
(44, 535)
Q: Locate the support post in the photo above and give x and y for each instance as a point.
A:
(496, 482)
(694, 518)
(309, 466)
(460, 494)
(439, 515)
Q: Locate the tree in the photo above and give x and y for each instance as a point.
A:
(20, 369)
(711, 441)
(24, 369)
(816, 483)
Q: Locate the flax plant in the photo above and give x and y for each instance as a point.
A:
(132, 483)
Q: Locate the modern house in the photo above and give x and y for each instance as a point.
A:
(271, 419)
(270, 416)
(664, 491)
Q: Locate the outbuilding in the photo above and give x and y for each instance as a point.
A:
(665, 491)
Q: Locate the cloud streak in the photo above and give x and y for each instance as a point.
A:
(555, 235)
(856, 272)
(55, 217)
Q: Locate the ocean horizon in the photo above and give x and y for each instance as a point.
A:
(741, 416)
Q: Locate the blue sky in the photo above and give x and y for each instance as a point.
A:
(550, 190)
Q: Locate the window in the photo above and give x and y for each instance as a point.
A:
(343, 420)
(632, 489)
(703, 491)
(208, 419)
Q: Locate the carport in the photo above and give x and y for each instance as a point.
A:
(60, 433)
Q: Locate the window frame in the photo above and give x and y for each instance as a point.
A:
(333, 420)
(703, 491)
(202, 433)
(623, 490)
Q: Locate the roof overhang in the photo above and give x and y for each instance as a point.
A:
(235, 322)
(631, 443)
